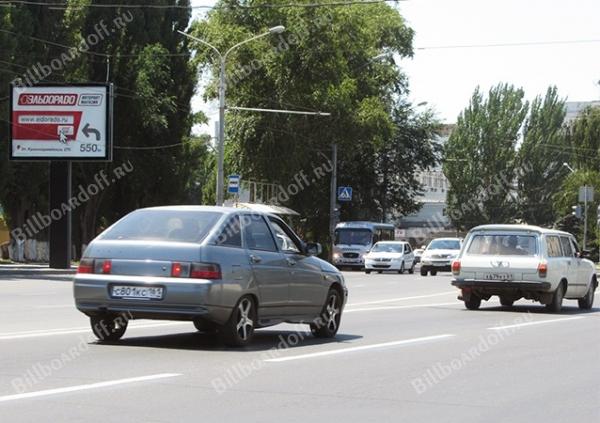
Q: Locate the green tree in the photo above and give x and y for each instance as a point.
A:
(323, 62)
(583, 136)
(480, 157)
(149, 64)
(568, 196)
(541, 157)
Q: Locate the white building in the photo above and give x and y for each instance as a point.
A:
(431, 220)
(574, 108)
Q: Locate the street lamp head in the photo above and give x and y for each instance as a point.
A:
(277, 29)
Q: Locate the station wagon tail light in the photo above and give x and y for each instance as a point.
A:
(205, 271)
(86, 266)
(456, 267)
(542, 269)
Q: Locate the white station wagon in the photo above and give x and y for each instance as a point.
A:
(521, 261)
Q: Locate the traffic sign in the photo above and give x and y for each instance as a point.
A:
(234, 184)
(344, 193)
(586, 193)
(61, 122)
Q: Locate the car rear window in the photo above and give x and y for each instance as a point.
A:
(163, 225)
(387, 248)
(503, 245)
(444, 244)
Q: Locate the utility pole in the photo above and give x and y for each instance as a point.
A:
(333, 194)
(585, 216)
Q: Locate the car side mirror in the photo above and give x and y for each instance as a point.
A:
(313, 249)
(584, 254)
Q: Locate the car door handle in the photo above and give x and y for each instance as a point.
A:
(255, 259)
(291, 262)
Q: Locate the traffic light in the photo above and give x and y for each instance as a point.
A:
(576, 211)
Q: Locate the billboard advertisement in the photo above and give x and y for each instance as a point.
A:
(61, 122)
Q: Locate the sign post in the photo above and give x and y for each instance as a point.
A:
(61, 123)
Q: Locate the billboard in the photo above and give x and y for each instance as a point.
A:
(61, 122)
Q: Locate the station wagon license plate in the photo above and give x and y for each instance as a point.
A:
(138, 292)
(498, 276)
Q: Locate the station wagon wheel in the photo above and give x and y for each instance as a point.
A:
(506, 302)
(557, 298)
(239, 330)
(473, 302)
(328, 323)
(587, 302)
(108, 328)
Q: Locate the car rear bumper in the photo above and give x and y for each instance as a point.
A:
(502, 285)
(182, 299)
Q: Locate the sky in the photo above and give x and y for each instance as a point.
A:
(445, 75)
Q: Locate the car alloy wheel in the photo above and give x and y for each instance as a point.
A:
(328, 323)
(239, 330)
(245, 324)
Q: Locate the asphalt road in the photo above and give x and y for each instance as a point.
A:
(407, 351)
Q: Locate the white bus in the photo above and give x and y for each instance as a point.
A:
(353, 240)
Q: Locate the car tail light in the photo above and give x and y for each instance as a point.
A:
(107, 266)
(542, 269)
(176, 270)
(205, 271)
(456, 267)
(86, 266)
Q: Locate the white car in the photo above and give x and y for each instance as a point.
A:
(390, 255)
(439, 254)
(520, 261)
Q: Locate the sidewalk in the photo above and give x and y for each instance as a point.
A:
(35, 271)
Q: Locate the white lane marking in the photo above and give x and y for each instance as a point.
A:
(69, 331)
(539, 322)
(400, 307)
(361, 348)
(86, 387)
(391, 300)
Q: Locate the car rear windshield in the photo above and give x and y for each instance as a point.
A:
(503, 245)
(163, 225)
(444, 244)
(387, 248)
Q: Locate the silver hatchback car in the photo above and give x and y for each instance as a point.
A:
(224, 269)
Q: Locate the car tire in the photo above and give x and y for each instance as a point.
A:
(587, 302)
(108, 328)
(506, 302)
(380, 271)
(239, 329)
(433, 272)
(423, 271)
(401, 271)
(473, 302)
(412, 269)
(328, 322)
(368, 272)
(557, 298)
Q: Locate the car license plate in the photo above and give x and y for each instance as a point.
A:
(498, 276)
(138, 292)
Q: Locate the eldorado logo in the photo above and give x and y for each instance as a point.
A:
(47, 99)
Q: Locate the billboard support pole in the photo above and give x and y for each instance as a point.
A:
(60, 229)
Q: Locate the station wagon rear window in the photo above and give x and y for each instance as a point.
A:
(503, 245)
(163, 225)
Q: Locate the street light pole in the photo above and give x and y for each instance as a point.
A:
(222, 88)
(333, 195)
